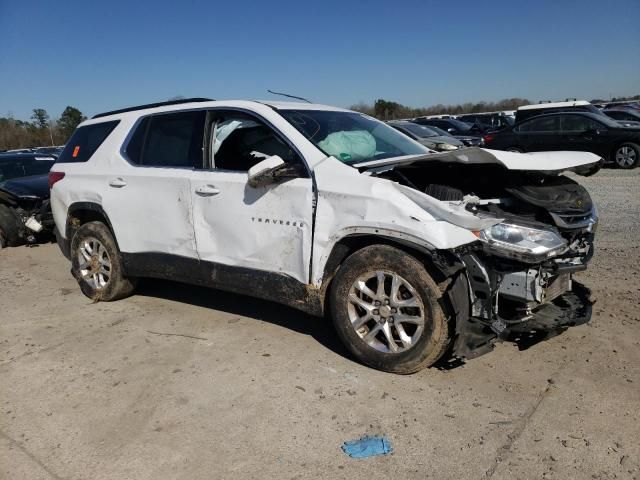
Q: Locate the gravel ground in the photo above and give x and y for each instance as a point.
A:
(187, 383)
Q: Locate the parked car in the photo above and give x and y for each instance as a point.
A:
(528, 111)
(25, 215)
(54, 151)
(25, 212)
(488, 122)
(468, 134)
(15, 165)
(427, 136)
(623, 114)
(577, 131)
(411, 253)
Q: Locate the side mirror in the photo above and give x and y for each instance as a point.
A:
(270, 170)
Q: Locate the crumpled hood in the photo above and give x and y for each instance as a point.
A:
(583, 163)
(33, 186)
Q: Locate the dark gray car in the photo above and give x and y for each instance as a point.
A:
(427, 136)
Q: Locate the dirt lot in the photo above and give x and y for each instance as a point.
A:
(183, 382)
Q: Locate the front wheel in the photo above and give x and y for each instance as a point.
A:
(97, 265)
(386, 311)
(627, 155)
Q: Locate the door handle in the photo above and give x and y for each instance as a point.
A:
(117, 183)
(207, 191)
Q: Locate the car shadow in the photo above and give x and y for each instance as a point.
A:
(320, 329)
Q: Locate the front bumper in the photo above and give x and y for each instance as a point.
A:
(493, 316)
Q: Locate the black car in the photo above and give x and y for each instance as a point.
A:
(527, 111)
(488, 122)
(16, 165)
(577, 131)
(623, 114)
(25, 213)
(468, 134)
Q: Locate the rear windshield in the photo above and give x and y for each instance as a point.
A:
(85, 141)
(16, 167)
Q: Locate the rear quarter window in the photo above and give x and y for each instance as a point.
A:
(85, 141)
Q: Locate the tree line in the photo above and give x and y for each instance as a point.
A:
(40, 130)
(388, 110)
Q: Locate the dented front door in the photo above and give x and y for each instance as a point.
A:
(267, 228)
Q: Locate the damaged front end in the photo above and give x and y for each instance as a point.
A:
(25, 212)
(516, 282)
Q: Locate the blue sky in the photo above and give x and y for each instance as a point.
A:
(103, 55)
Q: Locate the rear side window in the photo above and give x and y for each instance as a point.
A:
(85, 141)
(541, 125)
(168, 140)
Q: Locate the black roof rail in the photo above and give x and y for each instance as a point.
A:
(153, 105)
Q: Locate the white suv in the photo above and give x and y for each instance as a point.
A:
(412, 253)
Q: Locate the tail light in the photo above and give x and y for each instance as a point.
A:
(488, 138)
(55, 177)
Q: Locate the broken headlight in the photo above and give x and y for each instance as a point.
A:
(521, 242)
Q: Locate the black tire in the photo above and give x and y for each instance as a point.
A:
(9, 228)
(434, 339)
(116, 286)
(515, 149)
(634, 149)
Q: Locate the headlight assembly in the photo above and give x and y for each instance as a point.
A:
(522, 243)
(443, 147)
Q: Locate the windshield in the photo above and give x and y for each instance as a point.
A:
(352, 137)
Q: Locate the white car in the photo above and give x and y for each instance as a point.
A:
(413, 254)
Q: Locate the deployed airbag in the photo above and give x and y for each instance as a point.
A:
(349, 146)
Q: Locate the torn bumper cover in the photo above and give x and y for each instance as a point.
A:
(478, 331)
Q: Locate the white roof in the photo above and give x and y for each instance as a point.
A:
(217, 103)
(285, 105)
(554, 104)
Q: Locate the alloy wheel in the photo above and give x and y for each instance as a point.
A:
(626, 156)
(386, 311)
(94, 263)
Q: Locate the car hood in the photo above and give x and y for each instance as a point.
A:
(583, 163)
(36, 186)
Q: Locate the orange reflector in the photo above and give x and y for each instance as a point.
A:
(76, 151)
(476, 233)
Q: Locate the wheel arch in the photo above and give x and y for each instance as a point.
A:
(80, 213)
(442, 265)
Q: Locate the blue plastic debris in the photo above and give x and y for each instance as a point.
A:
(367, 447)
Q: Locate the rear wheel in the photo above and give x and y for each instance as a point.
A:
(385, 309)
(97, 265)
(627, 155)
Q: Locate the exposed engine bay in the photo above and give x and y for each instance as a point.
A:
(25, 212)
(519, 275)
